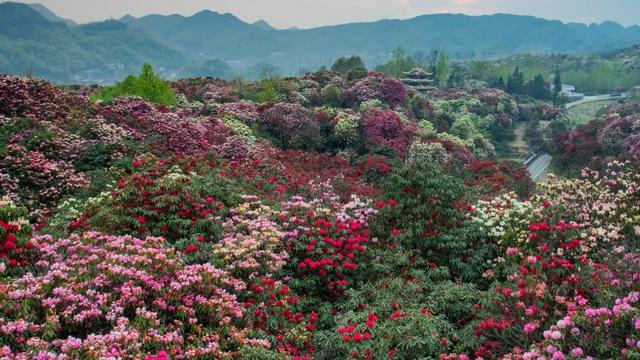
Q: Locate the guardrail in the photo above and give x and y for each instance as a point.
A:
(531, 156)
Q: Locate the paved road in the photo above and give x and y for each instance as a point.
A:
(587, 99)
(539, 165)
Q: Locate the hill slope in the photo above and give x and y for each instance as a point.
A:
(98, 52)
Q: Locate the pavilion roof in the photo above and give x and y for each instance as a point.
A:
(416, 72)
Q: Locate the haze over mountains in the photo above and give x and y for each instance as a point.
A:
(32, 38)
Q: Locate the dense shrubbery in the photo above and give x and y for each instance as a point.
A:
(213, 228)
(614, 136)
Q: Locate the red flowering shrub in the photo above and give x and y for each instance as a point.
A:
(326, 240)
(389, 319)
(491, 178)
(427, 213)
(160, 199)
(274, 311)
(15, 233)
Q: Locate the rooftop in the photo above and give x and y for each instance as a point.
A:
(417, 72)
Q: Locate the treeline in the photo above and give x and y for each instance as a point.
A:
(590, 75)
(446, 74)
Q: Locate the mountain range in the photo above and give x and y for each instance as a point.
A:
(34, 39)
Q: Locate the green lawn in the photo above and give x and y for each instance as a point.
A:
(586, 112)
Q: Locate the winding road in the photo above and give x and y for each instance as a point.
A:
(604, 97)
(539, 165)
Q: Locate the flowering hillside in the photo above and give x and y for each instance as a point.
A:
(319, 217)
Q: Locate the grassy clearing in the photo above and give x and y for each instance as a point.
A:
(583, 113)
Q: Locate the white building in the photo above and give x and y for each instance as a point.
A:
(570, 92)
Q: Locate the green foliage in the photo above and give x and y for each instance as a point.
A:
(601, 77)
(351, 65)
(268, 94)
(557, 83)
(443, 69)
(538, 89)
(398, 63)
(464, 127)
(331, 96)
(515, 83)
(430, 218)
(394, 314)
(147, 85)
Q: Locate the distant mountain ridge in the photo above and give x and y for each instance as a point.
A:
(50, 15)
(208, 41)
(98, 52)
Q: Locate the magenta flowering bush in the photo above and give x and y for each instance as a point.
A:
(385, 129)
(244, 111)
(168, 130)
(34, 99)
(97, 296)
(376, 86)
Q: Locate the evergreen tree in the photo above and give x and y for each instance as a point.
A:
(498, 83)
(515, 83)
(537, 88)
(557, 85)
(344, 65)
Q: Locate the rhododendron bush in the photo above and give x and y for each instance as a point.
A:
(323, 217)
(616, 135)
(96, 296)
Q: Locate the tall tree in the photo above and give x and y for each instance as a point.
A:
(398, 63)
(443, 69)
(345, 64)
(515, 83)
(557, 85)
(537, 88)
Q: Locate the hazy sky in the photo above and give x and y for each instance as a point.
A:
(311, 13)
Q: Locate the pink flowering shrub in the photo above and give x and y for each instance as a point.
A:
(34, 99)
(35, 181)
(376, 86)
(100, 296)
(244, 111)
(252, 243)
(165, 129)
